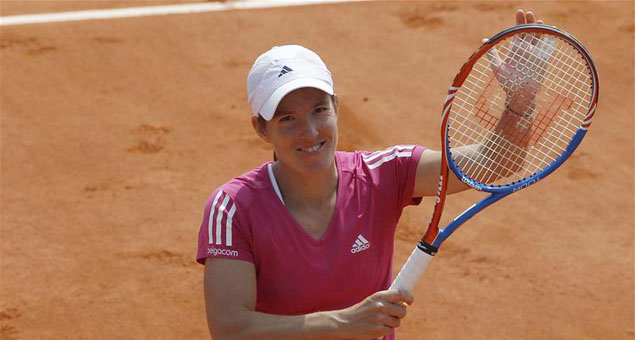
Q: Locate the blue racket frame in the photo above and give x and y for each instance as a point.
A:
(498, 192)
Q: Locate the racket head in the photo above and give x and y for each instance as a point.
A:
(565, 101)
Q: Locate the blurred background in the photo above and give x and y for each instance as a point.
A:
(114, 133)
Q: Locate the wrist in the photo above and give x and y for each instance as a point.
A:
(340, 323)
(330, 324)
(524, 111)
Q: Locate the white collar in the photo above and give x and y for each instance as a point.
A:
(274, 183)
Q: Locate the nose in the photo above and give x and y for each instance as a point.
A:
(309, 128)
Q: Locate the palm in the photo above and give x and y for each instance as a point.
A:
(523, 69)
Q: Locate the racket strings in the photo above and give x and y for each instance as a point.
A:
(470, 164)
(538, 68)
(504, 145)
(552, 135)
(564, 78)
(543, 123)
(563, 84)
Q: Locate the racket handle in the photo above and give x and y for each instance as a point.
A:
(412, 270)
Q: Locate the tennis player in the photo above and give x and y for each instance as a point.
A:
(302, 247)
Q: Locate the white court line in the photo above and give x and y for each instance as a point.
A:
(153, 10)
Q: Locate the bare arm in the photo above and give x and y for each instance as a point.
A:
(230, 300)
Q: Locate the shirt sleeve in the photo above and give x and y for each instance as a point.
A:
(222, 235)
(393, 172)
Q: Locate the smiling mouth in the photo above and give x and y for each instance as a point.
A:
(312, 149)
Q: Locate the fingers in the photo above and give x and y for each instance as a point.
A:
(546, 46)
(392, 309)
(391, 321)
(528, 17)
(398, 295)
(378, 315)
(395, 310)
(393, 302)
(520, 17)
(391, 313)
(494, 58)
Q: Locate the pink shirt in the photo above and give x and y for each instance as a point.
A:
(245, 219)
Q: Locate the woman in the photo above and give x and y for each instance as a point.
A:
(301, 248)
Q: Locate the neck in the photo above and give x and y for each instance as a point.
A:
(306, 189)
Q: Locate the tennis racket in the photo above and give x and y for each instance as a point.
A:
(516, 110)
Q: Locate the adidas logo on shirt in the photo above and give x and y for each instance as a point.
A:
(360, 244)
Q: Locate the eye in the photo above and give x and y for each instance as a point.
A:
(321, 109)
(287, 118)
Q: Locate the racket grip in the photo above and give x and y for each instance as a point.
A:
(412, 270)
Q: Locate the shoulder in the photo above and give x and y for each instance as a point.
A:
(372, 160)
(244, 189)
(375, 159)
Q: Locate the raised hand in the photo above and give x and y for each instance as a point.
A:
(523, 69)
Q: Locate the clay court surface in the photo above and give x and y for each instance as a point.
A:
(114, 133)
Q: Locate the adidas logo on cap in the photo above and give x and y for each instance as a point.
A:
(285, 69)
(360, 244)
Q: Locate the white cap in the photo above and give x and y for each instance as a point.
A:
(281, 70)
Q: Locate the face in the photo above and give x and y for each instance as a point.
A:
(303, 130)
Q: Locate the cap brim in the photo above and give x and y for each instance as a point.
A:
(271, 104)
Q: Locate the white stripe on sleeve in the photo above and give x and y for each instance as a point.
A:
(377, 154)
(390, 157)
(228, 230)
(210, 230)
(219, 218)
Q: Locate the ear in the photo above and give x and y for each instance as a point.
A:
(260, 128)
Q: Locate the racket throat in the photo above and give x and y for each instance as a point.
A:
(433, 227)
